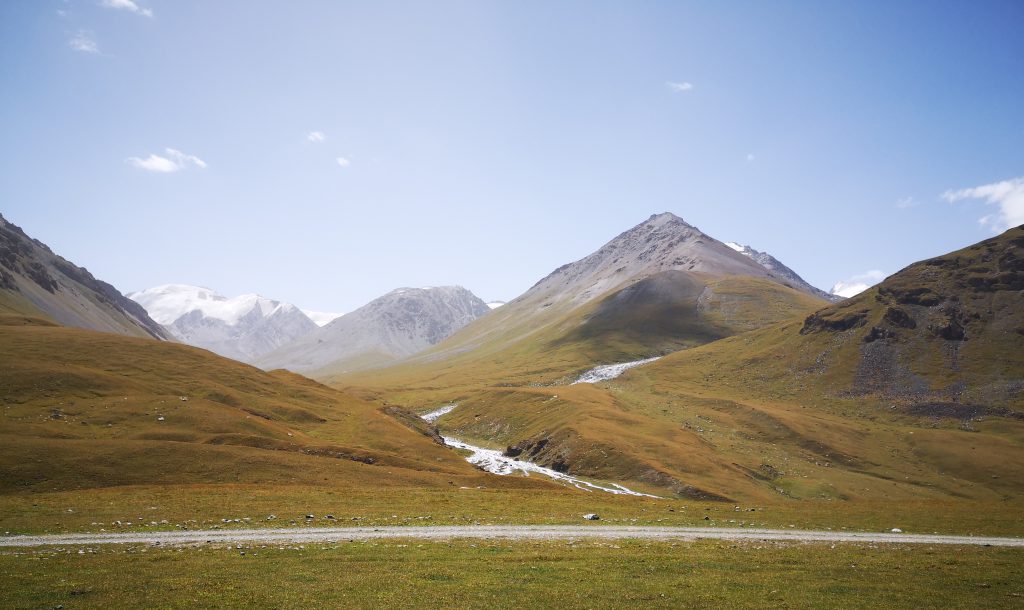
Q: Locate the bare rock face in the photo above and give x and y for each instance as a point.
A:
(34, 281)
(786, 275)
(398, 324)
(663, 242)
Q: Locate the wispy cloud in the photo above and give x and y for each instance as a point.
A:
(83, 42)
(679, 87)
(127, 5)
(316, 136)
(750, 157)
(173, 162)
(1007, 195)
(858, 283)
(907, 202)
(342, 161)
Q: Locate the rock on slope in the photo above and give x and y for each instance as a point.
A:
(789, 276)
(243, 328)
(398, 324)
(35, 281)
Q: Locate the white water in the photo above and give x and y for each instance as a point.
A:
(433, 415)
(494, 462)
(610, 371)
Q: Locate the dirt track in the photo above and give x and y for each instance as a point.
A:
(514, 532)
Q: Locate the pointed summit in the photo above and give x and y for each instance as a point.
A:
(663, 242)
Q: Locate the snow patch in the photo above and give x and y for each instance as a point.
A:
(610, 371)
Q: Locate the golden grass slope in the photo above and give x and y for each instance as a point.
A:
(909, 391)
(81, 409)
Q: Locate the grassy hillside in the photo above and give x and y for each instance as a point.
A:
(912, 390)
(523, 344)
(82, 409)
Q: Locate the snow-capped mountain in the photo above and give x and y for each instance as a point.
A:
(244, 327)
(398, 324)
(781, 271)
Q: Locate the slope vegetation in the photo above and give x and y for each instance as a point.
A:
(82, 409)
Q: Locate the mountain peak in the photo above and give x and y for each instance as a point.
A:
(662, 242)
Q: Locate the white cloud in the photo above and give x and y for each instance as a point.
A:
(321, 318)
(1008, 195)
(182, 159)
(127, 5)
(750, 157)
(173, 162)
(84, 43)
(858, 283)
(907, 202)
(342, 161)
(62, 13)
(679, 87)
(316, 136)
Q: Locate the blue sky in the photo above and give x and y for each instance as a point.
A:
(485, 143)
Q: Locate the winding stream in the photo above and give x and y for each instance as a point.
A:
(610, 371)
(494, 462)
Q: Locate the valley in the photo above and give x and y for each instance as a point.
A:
(335, 304)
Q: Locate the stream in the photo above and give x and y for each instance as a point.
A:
(495, 462)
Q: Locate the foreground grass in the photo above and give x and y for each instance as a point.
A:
(146, 508)
(503, 574)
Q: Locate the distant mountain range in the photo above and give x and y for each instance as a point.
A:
(273, 334)
(243, 328)
(398, 324)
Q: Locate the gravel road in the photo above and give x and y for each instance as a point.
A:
(514, 532)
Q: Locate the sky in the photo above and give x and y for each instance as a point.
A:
(325, 153)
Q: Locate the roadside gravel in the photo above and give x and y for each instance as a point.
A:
(514, 532)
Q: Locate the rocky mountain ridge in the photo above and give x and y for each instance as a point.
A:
(35, 281)
(786, 274)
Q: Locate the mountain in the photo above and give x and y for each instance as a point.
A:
(398, 324)
(657, 288)
(913, 388)
(910, 391)
(243, 328)
(661, 286)
(36, 282)
(789, 276)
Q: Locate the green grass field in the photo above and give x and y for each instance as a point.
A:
(476, 574)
